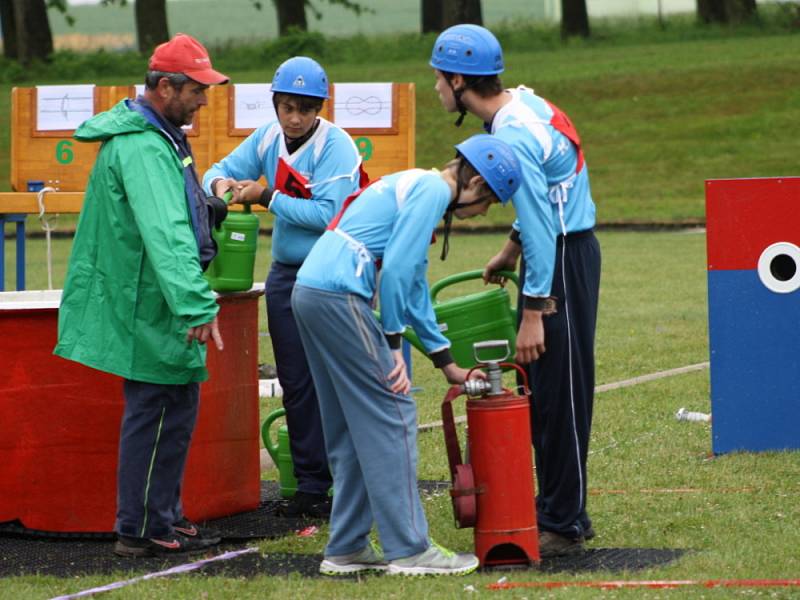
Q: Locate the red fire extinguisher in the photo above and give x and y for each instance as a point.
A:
(493, 492)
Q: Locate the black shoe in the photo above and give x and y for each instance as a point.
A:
(304, 504)
(589, 533)
(173, 544)
(193, 531)
(554, 544)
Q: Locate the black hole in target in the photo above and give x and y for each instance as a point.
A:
(783, 267)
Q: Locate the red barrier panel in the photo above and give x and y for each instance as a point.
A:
(59, 426)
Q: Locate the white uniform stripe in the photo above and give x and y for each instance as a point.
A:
(268, 138)
(404, 185)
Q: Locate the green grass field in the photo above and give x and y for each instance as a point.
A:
(659, 113)
(657, 117)
(737, 514)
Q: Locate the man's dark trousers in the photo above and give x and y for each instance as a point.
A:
(154, 441)
(562, 385)
(303, 420)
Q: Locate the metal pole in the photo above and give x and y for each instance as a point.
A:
(20, 219)
(2, 253)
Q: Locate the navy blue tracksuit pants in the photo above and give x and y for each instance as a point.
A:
(562, 386)
(303, 420)
(157, 428)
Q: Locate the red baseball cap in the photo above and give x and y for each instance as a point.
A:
(184, 54)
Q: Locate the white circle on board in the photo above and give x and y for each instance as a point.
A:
(779, 267)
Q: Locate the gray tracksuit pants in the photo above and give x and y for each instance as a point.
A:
(370, 432)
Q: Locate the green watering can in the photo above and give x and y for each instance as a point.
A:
(280, 453)
(237, 240)
(485, 315)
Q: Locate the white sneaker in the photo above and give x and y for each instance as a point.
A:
(436, 560)
(370, 558)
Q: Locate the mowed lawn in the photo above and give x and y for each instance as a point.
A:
(657, 118)
(652, 480)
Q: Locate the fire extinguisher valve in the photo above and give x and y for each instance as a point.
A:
(493, 385)
(476, 387)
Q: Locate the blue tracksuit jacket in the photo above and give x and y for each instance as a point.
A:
(392, 220)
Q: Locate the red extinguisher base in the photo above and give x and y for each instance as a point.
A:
(506, 549)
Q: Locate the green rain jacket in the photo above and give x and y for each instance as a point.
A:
(134, 284)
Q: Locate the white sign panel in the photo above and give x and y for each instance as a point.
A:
(63, 107)
(253, 106)
(362, 105)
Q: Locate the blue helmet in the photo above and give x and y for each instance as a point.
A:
(302, 76)
(468, 50)
(495, 161)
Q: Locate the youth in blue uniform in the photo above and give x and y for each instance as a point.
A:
(311, 166)
(559, 270)
(357, 364)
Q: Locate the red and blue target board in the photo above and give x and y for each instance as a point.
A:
(753, 237)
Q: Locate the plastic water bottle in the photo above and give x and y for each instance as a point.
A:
(688, 415)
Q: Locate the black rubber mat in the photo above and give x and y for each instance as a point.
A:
(601, 559)
(62, 558)
(263, 522)
(26, 552)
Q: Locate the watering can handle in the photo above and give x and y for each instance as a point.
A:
(272, 449)
(228, 196)
(467, 276)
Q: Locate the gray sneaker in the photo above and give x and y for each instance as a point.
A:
(436, 560)
(370, 558)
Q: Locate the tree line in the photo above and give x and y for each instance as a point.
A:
(27, 35)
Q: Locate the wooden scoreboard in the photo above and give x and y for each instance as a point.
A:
(381, 118)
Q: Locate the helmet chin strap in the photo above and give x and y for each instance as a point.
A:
(462, 110)
(448, 214)
(451, 209)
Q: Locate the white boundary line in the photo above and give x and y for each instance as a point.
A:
(605, 387)
(192, 566)
(651, 377)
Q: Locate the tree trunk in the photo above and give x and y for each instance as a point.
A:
(455, 12)
(438, 15)
(291, 14)
(34, 38)
(151, 24)
(469, 11)
(574, 18)
(726, 11)
(9, 30)
(431, 15)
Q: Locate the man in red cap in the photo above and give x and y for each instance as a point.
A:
(135, 302)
